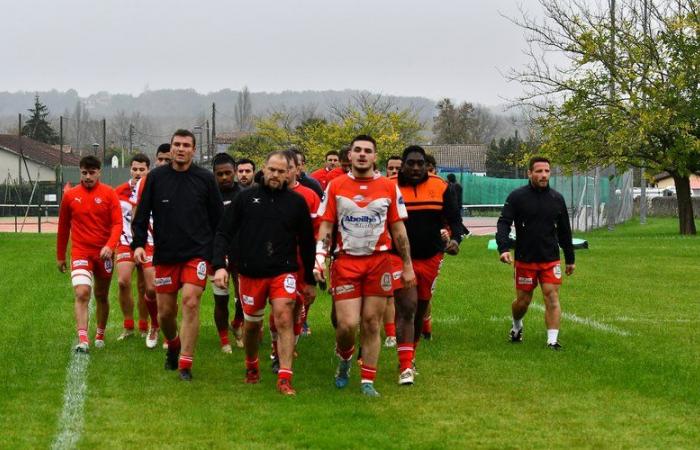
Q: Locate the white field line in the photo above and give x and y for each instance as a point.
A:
(588, 322)
(70, 424)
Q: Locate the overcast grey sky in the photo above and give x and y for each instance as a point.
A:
(451, 48)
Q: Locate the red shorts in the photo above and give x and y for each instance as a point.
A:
(528, 274)
(124, 254)
(149, 257)
(171, 277)
(361, 276)
(83, 266)
(256, 291)
(426, 271)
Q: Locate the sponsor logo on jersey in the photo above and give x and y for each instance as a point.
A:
(164, 281)
(248, 300)
(78, 199)
(557, 271)
(343, 289)
(202, 270)
(108, 265)
(98, 200)
(386, 281)
(121, 256)
(80, 263)
(149, 259)
(524, 280)
(256, 200)
(360, 220)
(290, 284)
(358, 198)
(396, 275)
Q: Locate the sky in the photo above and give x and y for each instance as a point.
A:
(441, 48)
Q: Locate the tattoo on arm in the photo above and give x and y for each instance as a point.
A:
(403, 247)
(326, 242)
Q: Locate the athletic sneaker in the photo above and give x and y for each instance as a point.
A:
(152, 338)
(275, 365)
(406, 377)
(125, 334)
(171, 360)
(185, 375)
(252, 376)
(390, 341)
(238, 336)
(368, 390)
(516, 335)
(555, 346)
(99, 343)
(305, 329)
(285, 387)
(342, 373)
(165, 345)
(83, 347)
(226, 349)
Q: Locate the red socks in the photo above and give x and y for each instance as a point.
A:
(368, 374)
(129, 324)
(251, 364)
(152, 306)
(100, 334)
(143, 326)
(405, 352)
(185, 362)
(174, 344)
(345, 354)
(390, 329)
(284, 374)
(82, 335)
(223, 337)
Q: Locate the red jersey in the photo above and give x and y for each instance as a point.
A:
(321, 175)
(124, 193)
(363, 208)
(335, 173)
(312, 201)
(92, 218)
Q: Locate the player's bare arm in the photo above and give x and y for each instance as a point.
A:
(403, 248)
(322, 248)
(61, 264)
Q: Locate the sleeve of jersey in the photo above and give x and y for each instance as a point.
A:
(564, 234)
(64, 220)
(117, 223)
(397, 209)
(136, 192)
(452, 215)
(327, 208)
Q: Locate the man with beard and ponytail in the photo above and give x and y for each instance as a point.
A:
(269, 224)
(430, 205)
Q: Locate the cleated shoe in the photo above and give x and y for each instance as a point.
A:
(406, 377)
(516, 336)
(368, 390)
(390, 341)
(185, 375)
(555, 346)
(126, 334)
(252, 376)
(275, 365)
(99, 343)
(305, 329)
(226, 349)
(171, 360)
(83, 347)
(152, 338)
(342, 373)
(285, 387)
(238, 336)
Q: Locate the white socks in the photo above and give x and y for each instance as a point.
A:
(552, 336)
(518, 324)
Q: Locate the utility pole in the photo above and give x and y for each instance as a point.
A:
(213, 127)
(104, 142)
(209, 153)
(131, 142)
(19, 138)
(60, 160)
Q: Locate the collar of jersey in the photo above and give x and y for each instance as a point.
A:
(373, 177)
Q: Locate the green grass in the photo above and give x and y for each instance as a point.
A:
(474, 389)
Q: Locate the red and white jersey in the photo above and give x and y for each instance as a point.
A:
(91, 218)
(362, 208)
(124, 193)
(312, 201)
(136, 192)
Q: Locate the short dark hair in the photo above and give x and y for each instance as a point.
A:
(163, 148)
(184, 133)
(141, 158)
(246, 161)
(412, 149)
(298, 152)
(344, 154)
(90, 162)
(451, 177)
(282, 153)
(430, 159)
(536, 159)
(393, 158)
(292, 155)
(222, 158)
(364, 137)
(332, 153)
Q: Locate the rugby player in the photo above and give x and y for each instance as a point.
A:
(271, 224)
(139, 166)
(245, 172)
(303, 178)
(541, 227)
(224, 168)
(393, 165)
(365, 205)
(186, 206)
(91, 216)
(430, 206)
(332, 161)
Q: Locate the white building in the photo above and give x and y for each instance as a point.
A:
(26, 159)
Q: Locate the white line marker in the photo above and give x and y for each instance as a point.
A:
(589, 322)
(70, 424)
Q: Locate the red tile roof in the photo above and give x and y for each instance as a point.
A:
(37, 151)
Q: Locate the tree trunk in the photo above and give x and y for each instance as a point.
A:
(686, 221)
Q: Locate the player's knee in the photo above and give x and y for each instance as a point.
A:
(82, 294)
(190, 301)
(124, 283)
(370, 325)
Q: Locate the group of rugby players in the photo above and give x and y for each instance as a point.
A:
(274, 235)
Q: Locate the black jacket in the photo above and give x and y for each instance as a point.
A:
(312, 184)
(541, 225)
(186, 209)
(269, 226)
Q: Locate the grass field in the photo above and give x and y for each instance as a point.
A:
(629, 375)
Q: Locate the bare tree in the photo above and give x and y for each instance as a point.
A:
(244, 110)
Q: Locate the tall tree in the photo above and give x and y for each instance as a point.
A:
(649, 118)
(244, 110)
(37, 126)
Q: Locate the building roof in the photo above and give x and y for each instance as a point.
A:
(228, 137)
(36, 151)
(465, 158)
(694, 179)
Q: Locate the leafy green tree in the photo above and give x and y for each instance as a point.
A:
(503, 158)
(37, 127)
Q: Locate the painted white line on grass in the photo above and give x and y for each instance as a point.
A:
(646, 320)
(588, 322)
(70, 424)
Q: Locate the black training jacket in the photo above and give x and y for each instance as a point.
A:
(186, 209)
(269, 226)
(541, 225)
